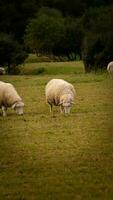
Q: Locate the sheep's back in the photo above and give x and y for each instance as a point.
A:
(9, 94)
(2, 87)
(110, 67)
(57, 87)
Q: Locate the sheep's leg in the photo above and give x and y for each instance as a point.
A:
(50, 108)
(61, 109)
(4, 109)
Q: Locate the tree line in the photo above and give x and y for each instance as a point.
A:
(81, 29)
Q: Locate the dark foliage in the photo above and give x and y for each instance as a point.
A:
(50, 33)
(97, 48)
(68, 28)
(14, 16)
(11, 52)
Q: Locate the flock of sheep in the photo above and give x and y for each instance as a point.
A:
(57, 91)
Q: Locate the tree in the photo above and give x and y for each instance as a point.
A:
(73, 8)
(70, 44)
(11, 52)
(50, 33)
(44, 31)
(14, 16)
(97, 47)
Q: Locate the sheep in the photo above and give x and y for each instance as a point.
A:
(2, 71)
(110, 68)
(10, 98)
(59, 92)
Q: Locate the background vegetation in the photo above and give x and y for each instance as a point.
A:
(60, 28)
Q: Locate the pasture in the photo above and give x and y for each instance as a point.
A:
(47, 156)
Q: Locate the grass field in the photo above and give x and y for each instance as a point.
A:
(47, 156)
(52, 68)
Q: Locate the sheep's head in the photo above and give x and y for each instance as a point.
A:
(66, 104)
(18, 107)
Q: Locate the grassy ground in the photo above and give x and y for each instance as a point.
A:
(52, 68)
(57, 157)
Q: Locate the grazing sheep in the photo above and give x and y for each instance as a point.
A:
(110, 68)
(2, 71)
(60, 93)
(10, 98)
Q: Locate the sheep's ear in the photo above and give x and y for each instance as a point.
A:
(13, 106)
(22, 104)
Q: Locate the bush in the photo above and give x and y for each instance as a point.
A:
(40, 70)
(97, 48)
(15, 70)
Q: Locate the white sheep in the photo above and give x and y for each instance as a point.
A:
(2, 71)
(110, 68)
(60, 93)
(10, 98)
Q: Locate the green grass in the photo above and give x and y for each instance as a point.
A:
(53, 68)
(57, 157)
